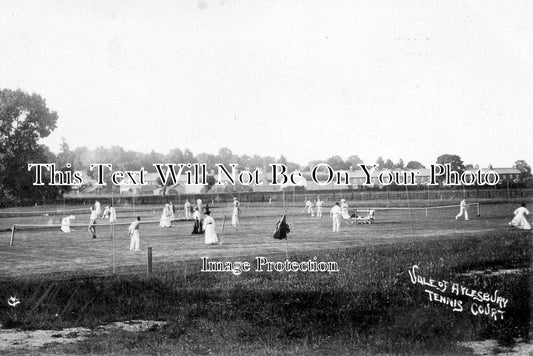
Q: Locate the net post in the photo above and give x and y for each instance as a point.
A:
(478, 210)
(223, 223)
(13, 228)
(112, 227)
(149, 266)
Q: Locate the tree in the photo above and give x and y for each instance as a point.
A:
(456, 163)
(414, 165)
(225, 156)
(209, 160)
(353, 161)
(82, 158)
(389, 164)
(291, 166)
(282, 160)
(380, 163)
(174, 156)
(400, 164)
(337, 163)
(188, 157)
(64, 162)
(524, 168)
(65, 155)
(24, 119)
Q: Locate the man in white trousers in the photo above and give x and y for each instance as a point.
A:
(92, 222)
(463, 209)
(318, 207)
(335, 213)
(133, 231)
(309, 206)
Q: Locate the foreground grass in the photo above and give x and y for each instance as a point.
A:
(369, 307)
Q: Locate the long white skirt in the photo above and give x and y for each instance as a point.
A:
(235, 220)
(520, 221)
(165, 220)
(135, 241)
(210, 234)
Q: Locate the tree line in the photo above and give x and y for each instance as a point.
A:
(25, 119)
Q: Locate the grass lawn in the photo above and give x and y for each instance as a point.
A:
(370, 306)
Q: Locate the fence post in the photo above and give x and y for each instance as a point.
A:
(12, 235)
(149, 270)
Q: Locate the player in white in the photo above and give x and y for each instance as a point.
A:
(65, 223)
(133, 231)
(309, 206)
(236, 211)
(211, 237)
(520, 220)
(97, 207)
(335, 213)
(344, 210)
(318, 207)
(463, 209)
(112, 214)
(105, 213)
(92, 222)
(187, 209)
(200, 208)
(165, 217)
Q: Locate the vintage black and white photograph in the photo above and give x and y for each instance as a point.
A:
(230, 177)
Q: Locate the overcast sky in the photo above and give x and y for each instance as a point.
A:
(306, 79)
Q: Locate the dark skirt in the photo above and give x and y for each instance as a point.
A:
(197, 229)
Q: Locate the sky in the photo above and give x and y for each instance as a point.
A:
(304, 79)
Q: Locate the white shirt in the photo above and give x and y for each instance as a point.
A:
(335, 211)
(133, 227)
(208, 221)
(521, 211)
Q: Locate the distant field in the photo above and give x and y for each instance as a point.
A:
(41, 250)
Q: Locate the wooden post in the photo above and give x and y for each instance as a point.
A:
(12, 235)
(112, 227)
(149, 271)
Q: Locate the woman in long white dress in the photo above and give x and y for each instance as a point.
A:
(211, 237)
(165, 217)
(520, 219)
